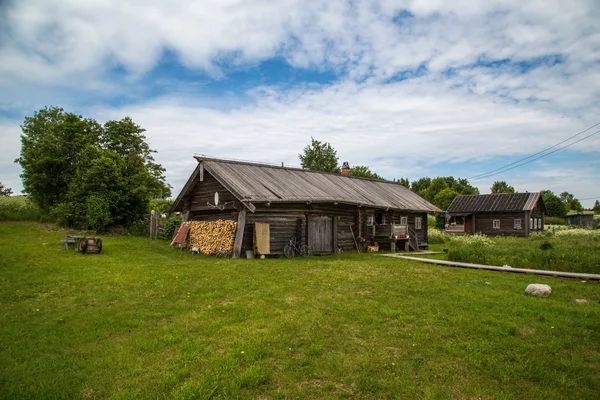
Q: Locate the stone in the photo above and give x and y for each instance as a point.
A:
(581, 301)
(538, 289)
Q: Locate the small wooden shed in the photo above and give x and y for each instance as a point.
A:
(510, 214)
(584, 220)
(328, 212)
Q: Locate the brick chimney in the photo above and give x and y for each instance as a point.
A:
(345, 169)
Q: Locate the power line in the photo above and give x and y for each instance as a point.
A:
(590, 198)
(533, 155)
(504, 169)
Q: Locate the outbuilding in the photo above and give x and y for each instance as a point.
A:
(584, 220)
(328, 212)
(510, 214)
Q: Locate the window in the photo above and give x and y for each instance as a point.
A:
(379, 218)
(496, 224)
(418, 223)
(403, 220)
(517, 223)
(530, 223)
(369, 220)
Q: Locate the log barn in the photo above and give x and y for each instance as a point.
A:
(583, 219)
(509, 214)
(328, 212)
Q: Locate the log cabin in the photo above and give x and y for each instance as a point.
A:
(582, 219)
(509, 214)
(328, 212)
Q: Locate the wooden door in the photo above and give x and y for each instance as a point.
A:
(469, 224)
(320, 235)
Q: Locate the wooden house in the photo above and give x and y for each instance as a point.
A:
(514, 214)
(328, 212)
(584, 220)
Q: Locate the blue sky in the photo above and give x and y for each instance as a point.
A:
(410, 88)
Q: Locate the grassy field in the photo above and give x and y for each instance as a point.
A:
(143, 320)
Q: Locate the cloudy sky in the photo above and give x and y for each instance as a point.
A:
(410, 88)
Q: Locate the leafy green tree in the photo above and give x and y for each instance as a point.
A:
(319, 156)
(444, 198)
(5, 191)
(554, 205)
(566, 197)
(363, 171)
(87, 175)
(502, 187)
(436, 186)
(51, 143)
(574, 205)
(463, 187)
(404, 182)
(596, 207)
(420, 185)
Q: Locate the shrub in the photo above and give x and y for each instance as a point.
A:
(170, 225)
(555, 221)
(140, 227)
(18, 208)
(161, 205)
(546, 245)
(436, 236)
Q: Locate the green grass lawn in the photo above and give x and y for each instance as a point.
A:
(143, 320)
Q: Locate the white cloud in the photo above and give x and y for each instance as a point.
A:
(56, 52)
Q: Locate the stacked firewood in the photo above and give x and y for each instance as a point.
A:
(212, 237)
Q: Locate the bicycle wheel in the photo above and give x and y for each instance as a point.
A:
(304, 250)
(288, 251)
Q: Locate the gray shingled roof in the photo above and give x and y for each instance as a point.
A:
(498, 202)
(260, 183)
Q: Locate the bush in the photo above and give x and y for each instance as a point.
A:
(546, 245)
(141, 227)
(436, 236)
(161, 205)
(555, 221)
(18, 208)
(170, 225)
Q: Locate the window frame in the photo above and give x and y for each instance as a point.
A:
(496, 224)
(403, 220)
(518, 225)
(418, 223)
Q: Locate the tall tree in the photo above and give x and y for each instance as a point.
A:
(566, 197)
(596, 207)
(574, 205)
(436, 186)
(420, 185)
(502, 187)
(404, 182)
(444, 198)
(51, 143)
(554, 205)
(85, 174)
(5, 191)
(363, 171)
(319, 156)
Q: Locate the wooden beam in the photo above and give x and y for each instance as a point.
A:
(239, 234)
(335, 236)
(201, 171)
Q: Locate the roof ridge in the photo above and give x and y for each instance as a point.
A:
(258, 164)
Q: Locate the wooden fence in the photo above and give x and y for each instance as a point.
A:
(157, 225)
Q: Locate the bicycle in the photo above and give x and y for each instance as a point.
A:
(294, 247)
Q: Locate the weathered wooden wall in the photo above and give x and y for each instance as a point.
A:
(484, 224)
(203, 192)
